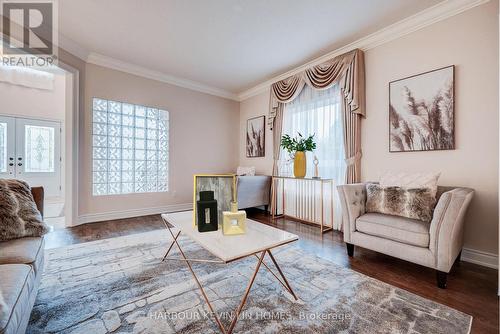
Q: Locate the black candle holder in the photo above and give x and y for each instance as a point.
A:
(208, 216)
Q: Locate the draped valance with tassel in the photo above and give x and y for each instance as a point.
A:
(346, 70)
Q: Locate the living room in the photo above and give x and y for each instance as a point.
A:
(250, 166)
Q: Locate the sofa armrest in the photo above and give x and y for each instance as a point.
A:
(38, 196)
(353, 201)
(253, 191)
(447, 226)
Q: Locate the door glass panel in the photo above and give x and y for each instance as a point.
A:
(39, 149)
(3, 147)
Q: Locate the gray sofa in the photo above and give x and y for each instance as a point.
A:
(21, 267)
(253, 191)
(435, 245)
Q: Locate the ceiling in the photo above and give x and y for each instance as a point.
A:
(232, 45)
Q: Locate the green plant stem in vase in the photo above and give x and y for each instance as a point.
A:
(298, 146)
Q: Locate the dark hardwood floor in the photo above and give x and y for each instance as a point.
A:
(471, 288)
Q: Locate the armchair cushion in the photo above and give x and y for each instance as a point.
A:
(409, 203)
(411, 180)
(405, 230)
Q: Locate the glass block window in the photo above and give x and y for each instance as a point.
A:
(130, 148)
(39, 149)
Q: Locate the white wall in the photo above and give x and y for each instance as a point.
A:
(256, 106)
(27, 102)
(470, 42)
(203, 139)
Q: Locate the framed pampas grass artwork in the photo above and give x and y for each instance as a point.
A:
(256, 137)
(421, 112)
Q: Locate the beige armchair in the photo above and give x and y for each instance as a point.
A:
(435, 245)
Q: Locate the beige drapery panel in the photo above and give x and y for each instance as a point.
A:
(277, 130)
(348, 71)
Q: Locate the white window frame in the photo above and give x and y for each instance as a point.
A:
(130, 148)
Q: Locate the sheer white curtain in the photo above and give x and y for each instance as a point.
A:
(316, 112)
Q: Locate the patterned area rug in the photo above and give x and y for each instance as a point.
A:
(120, 285)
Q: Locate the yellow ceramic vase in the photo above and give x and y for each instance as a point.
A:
(299, 164)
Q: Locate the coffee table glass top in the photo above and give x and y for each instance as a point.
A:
(258, 237)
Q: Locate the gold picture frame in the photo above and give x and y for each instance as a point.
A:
(219, 183)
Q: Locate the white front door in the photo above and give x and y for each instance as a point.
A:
(32, 153)
(7, 147)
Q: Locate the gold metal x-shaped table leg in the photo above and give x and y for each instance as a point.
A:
(284, 283)
(171, 245)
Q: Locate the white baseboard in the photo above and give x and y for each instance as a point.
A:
(99, 217)
(479, 257)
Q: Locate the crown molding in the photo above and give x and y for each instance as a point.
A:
(97, 59)
(72, 47)
(426, 17)
(116, 64)
(422, 19)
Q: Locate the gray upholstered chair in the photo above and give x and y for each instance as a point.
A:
(435, 245)
(253, 191)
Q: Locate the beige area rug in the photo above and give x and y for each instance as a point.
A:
(120, 285)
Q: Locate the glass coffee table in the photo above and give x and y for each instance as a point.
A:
(257, 242)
